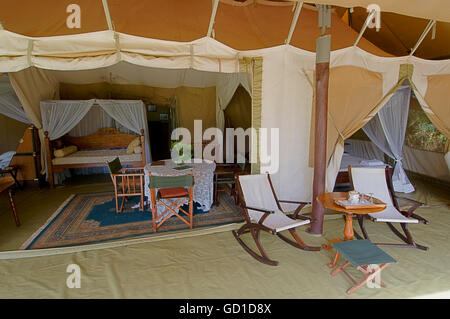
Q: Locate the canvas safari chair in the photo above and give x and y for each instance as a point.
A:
(263, 212)
(170, 193)
(128, 182)
(377, 182)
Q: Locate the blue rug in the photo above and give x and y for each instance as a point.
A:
(102, 213)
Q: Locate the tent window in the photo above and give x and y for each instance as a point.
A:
(421, 133)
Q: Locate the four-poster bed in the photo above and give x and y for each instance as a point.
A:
(59, 117)
(93, 151)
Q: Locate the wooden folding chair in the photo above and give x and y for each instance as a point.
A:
(225, 177)
(366, 257)
(171, 192)
(378, 181)
(128, 182)
(262, 211)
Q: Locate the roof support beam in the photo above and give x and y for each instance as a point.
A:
(364, 27)
(111, 28)
(107, 14)
(323, 46)
(213, 17)
(431, 24)
(298, 9)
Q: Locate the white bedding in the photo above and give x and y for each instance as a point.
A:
(351, 160)
(97, 156)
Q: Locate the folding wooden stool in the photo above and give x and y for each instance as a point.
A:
(362, 254)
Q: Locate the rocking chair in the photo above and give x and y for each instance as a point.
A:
(127, 182)
(378, 181)
(262, 211)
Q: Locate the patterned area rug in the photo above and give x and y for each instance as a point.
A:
(91, 218)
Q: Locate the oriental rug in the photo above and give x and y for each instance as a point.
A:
(90, 218)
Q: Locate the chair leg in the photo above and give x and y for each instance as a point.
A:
(191, 211)
(263, 258)
(410, 238)
(366, 279)
(407, 238)
(141, 203)
(340, 268)
(362, 226)
(13, 207)
(298, 243)
(235, 194)
(121, 205)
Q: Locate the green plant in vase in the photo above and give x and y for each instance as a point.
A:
(181, 153)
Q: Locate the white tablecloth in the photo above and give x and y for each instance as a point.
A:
(203, 179)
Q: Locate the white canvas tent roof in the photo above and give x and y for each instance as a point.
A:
(39, 51)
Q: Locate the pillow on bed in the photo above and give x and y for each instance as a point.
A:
(66, 151)
(137, 150)
(133, 144)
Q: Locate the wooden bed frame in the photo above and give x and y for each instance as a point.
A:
(342, 178)
(104, 138)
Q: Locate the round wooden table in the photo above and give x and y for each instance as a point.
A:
(327, 200)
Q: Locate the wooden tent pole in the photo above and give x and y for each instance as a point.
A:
(323, 44)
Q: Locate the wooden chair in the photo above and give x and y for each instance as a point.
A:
(128, 182)
(171, 192)
(12, 171)
(7, 185)
(225, 180)
(378, 181)
(263, 212)
(226, 174)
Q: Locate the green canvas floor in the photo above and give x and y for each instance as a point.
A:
(214, 265)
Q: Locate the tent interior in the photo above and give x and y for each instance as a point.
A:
(172, 98)
(254, 67)
(421, 152)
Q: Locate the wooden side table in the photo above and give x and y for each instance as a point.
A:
(327, 200)
(7, 185)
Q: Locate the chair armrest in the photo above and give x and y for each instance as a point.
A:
(266, 212)
(260, 209)
(293, 202)
(128, 174)
(132, 170)
(296, 214)
(410, 211)
(410, 200)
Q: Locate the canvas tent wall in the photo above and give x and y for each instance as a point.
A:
(281, 72)
(13, 121)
